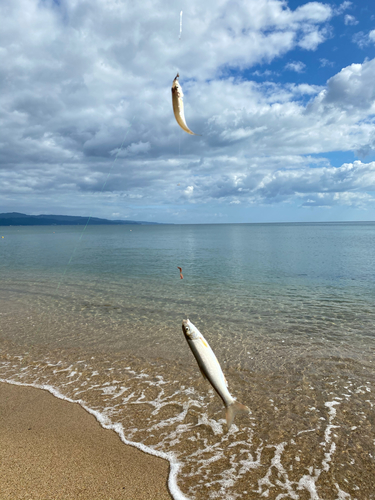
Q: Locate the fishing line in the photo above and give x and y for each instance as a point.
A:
(179, 137)
(88, 220)
(180, 25)
(180, 133)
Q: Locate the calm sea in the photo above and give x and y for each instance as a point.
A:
(95, 316)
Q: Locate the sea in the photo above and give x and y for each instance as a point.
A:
(93, 315)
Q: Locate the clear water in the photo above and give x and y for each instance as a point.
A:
(287, 308)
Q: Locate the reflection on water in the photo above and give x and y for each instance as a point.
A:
(287, 309)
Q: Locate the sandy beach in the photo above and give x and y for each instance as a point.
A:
(52, 449)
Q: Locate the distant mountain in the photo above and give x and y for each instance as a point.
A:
(17, 219)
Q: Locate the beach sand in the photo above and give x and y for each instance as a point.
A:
(53, 449)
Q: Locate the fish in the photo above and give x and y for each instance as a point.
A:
(178, 105)
(181, 276)
(211, 370)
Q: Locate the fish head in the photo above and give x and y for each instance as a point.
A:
(190, 331)
(176, 88)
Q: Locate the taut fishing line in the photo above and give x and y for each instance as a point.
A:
(179, 146)
(179, 135)
(88, 220)
(180, 25)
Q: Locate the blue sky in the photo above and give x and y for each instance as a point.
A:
(281, 93)
(338, 50)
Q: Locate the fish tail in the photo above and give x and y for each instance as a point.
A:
(232, 410)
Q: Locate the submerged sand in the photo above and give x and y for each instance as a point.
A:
(53, 449)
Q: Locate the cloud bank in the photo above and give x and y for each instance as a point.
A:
(87, 125)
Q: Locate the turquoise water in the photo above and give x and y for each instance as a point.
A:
(235, 253)
(287, 308)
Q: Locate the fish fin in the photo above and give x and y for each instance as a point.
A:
(232, 410)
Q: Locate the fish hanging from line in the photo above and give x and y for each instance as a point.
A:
(181, 276)
(211, 370)
(178, 105)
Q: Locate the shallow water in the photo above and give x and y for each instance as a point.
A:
(288, 310)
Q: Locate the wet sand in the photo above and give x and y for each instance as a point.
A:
(53, 449)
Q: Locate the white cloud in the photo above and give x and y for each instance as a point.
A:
(79, 79)
(135, 148)
(266, 73)
(325, 62)
(343, 7)
(305, 89)
(313, 37)
(297, 66)
(320, 186)
(353, 87)
(189, 190)
(364, 39)
(350, 20)
(329, 200)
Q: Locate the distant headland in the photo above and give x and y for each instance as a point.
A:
(17, 219)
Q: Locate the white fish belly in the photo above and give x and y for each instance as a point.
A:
(210, 366)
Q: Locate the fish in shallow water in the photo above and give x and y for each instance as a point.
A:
(211, 370)
(181, 275)
(178, 105)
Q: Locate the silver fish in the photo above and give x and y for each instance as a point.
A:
(211, 370)
(178, 105)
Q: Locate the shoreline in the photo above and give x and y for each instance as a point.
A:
(54, 449)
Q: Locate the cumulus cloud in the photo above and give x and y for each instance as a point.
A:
(352, 88)
(85, 91)
(343, 185)
(339, 183)
(313, 37)
(329, 200)
(297, 66)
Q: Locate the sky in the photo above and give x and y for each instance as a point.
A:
(282, 95)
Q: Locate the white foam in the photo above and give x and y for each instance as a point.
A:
(216, 427)
(105, 422)
(199, 459)
(308, 483)
(328, 457)
(276, 463)
(109, 389)
(308, 430)
(342, 494)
